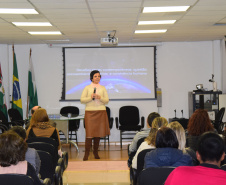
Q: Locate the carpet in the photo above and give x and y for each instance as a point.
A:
(97, 165)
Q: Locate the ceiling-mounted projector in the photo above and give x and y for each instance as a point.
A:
(110, 40)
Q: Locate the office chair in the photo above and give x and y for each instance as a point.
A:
(223, 167)
(4, 125)
(15, 117)
(15, 179)
(47, 169)
(218, 124)
(58, 176)
(3, 128)
(140, 165)
(110, 121)
(47, 148)
(128, 120)
(73, 124)
(54, 143)
(3, 118)
(132, 154)
(154, 175)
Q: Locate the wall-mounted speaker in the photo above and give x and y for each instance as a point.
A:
(159, 97)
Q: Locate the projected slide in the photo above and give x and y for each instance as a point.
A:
(127, 72)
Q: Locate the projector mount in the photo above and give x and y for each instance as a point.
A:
(110, 40)
(111, 37)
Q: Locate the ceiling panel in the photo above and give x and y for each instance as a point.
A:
(86, 21)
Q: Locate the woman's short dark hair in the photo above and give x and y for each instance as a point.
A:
(12, 149)
(166, 137)
(93, 73)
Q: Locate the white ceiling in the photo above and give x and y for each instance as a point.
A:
(86, 21)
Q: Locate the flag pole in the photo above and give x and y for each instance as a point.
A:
(13, 69)
(27, 88)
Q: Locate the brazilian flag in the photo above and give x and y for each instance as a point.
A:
(16, 99)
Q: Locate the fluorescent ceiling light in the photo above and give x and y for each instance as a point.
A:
(17, 11)
(156, 22)
(150, 31)
(66, 40)
(165, 9)
(45, 32)
(32, 23)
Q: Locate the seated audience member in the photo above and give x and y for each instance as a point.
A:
(12, 156)
(34, 109)
(149, 142)
(210, 153)
(31, 155)
(180, 133)
(198, 123)
(132, 148)
(166, 152)
(32, 112)
(143, 133)
(40, 127)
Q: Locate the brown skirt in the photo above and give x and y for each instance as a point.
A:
(96, 123)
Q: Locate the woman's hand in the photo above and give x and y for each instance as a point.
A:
(95, 96)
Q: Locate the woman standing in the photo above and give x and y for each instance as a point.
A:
(96, 121)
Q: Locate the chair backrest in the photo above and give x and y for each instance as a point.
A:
(223, 167)
(47, 147)
(15, 179)
(141, 140)
(218, 118)
(47, 166)
(69, 109)
(110, 119)
(140, 160)
(58, 176)
(3, 118)
(192, 153)
(73, 124)
(154, 175)
(129, 115)
(14, 115)
(3, 128)
(44, 140)
(220, 114)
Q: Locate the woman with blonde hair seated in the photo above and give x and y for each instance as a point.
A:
(149, 142)
(180, 133)
(41, 127)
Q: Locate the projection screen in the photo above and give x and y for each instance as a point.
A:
(128, 73)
